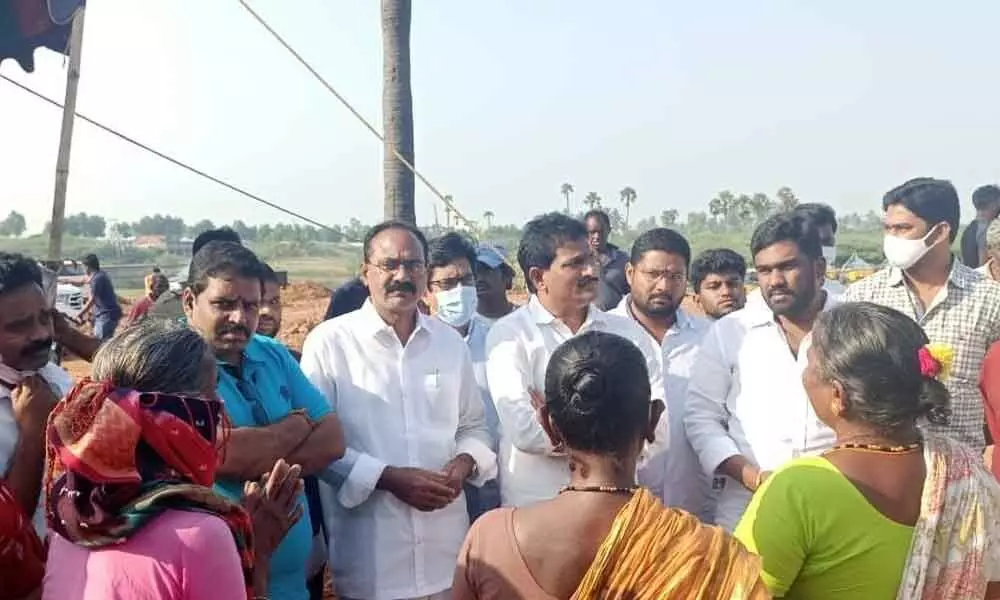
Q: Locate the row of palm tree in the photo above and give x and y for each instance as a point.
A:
(627, 196)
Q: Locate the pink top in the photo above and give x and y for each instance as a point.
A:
(178, 556)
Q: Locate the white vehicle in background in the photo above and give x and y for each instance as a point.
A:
(69, 300)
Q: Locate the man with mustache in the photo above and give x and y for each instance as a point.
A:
(560, 271)
(746, 411)
(610, 285)
(657, 275)
(718, 279)
(30, 385)
(404, 384)
(274, 410)
(494, 278)
(269, 318)
(169, 305)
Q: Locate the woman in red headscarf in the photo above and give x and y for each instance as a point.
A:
(130, 460)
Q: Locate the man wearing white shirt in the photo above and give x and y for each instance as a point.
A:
(824, 219)
(30, 385)
(403, 386)
(451, 296)
(747, 411)
(560, 272)
(657, 277)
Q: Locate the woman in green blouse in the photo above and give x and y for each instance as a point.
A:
(889, 512)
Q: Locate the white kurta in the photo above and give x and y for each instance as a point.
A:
(406, 406)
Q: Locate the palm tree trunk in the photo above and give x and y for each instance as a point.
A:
(397, 110)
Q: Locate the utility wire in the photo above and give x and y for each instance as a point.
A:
(277, 36)
(171, 159)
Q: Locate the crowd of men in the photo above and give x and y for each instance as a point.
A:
(412, 409)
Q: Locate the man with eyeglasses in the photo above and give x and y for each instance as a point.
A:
(657, 274)
(560, 272)
(274, 410)
(452, 277)
(404, 385)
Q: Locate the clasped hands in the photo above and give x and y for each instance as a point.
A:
(428, 490)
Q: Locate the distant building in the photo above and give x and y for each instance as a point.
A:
(151, 242)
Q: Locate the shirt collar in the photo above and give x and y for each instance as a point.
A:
(683, 321)
(253, 353)
(372, 323)
(959, 275)
(760, 314)
(542, 316)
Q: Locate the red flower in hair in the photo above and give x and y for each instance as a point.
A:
(929, 366)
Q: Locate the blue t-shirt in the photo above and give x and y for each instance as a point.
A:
(271, 385)
(103, 293)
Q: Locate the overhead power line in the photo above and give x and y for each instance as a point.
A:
(277, 36)
(171, 159)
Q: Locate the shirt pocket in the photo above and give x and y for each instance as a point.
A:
(441, 408)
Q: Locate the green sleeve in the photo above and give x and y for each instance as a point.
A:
(774, 527)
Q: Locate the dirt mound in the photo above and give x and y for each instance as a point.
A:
(304, 291)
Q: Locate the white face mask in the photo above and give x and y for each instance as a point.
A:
(9, 376)
(457, 305)
(830, 254)
(903, 253)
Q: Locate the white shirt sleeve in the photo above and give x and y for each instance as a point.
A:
(705, 418)
(355, 475)
(473, 436)
(509, 376)
(657, 390)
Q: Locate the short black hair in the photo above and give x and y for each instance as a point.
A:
(393, 224)
(664, 240)
(986, 196)
(92, 262)
(17, 271)
(787, 227)
(718, 261)
(541, 239)
(600, 215)
(933, 200)
(446, 249)
(597, 392)
(267, 274)
(222, 234)
(220, 259)
(820, 214)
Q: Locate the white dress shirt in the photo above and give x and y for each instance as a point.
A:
(406, 406)
(745, 397)
(518, 350)
(61, 383)
(675, 475)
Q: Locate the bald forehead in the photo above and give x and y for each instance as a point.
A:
(396, 242)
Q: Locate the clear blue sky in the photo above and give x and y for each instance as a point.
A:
(839, 100)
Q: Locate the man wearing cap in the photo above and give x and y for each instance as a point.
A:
(494, 278)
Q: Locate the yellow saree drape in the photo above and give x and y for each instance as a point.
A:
(656, 553)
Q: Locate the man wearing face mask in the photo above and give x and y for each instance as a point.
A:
(30, 385)
(560, 271)
(451, 297)
(955, 305)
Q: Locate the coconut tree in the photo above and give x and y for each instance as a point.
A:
(592, 200)
(566, 189)
(628, 198)
(488, 217)
(397, 111)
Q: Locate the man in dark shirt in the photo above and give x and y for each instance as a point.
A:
(102, 303)
(986, 199)
(347, 298)
(613, 286)
(269, 317)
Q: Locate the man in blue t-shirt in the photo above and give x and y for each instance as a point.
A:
(102, 303)
(274, 410)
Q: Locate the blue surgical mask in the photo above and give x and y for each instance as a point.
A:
(457, 305)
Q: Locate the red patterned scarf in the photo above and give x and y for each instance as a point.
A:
(117, 458)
